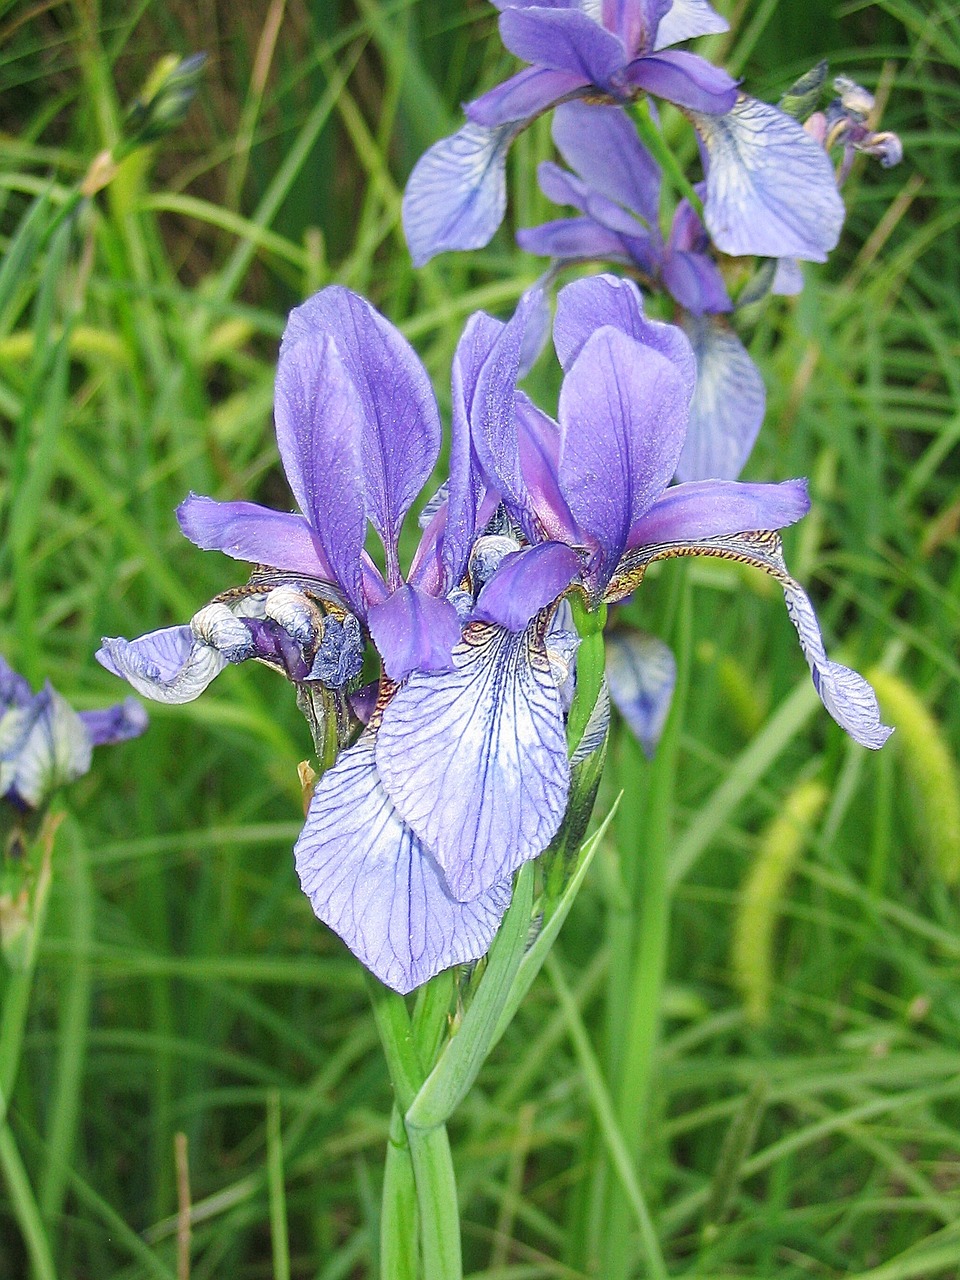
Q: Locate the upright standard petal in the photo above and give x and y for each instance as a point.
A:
(770, 187)
(641, 674)
(43, 745)
(247, 531)
(727, 407)
(372, 881)
(602, 146)
(476, 760)
(685, 79)
(687, 19)
(623, 415)
(398, 416)
(564, 40)
(586, 305)
(320, 437)
(168, 666)
(457, 193)
(414, 631)
(635, 21)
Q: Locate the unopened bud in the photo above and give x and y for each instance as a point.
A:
(803, 97)
(165, 98)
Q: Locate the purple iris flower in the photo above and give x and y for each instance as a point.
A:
(461, 774)
(615, 184)
(769, 189)
(597, 479)
(44, 743)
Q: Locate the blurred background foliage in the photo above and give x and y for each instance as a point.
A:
(800, 1113)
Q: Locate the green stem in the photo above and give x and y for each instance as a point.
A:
(399, 1259)
(653, 140)
(590, 665)
(643, 1011)
(430, 1156)
(25, 1207)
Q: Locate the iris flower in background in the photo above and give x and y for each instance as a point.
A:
(461, 773)
(44, 743)
(615, 184)
(769, 187)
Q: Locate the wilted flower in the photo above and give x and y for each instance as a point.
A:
(769, 190)
(44, 743)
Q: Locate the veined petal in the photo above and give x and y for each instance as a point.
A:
(687, 19)
(641, 673)
(123, 720)
(564, 40)
(397, 411)
(320, 437)
(414, 632)
(694, 280)
(540, 441)
(770, 187)
(457, 194)
(524, 583)
(521, 99)
(492, 424)
(253, 533)
(601, 144)
(847, 696)
(371, 880)
(43, 745)
(168, 666)
(727, 407)
(571, 239)
(623, 415)
(685, 79)
(718, 508)
(476, 760)
(635, 21)
(586, 305)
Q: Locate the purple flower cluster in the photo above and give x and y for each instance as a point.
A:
(460, 771)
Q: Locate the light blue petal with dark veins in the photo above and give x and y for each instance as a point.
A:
(728, 403)
(43, 745)
(770, 187)
(457, 194)
(476, 760)
(687, 19)
(371, 880)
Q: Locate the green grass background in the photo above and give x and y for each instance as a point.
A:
(802, 1119)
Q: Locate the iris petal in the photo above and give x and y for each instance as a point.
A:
(320, 437)
(521, 98)
(701, 509)
(641, 673)
(572, 239)
(168, 666)
(43, 745)
(247, 531)
(118, 723)
(476, 760)
(770, 186)
(564, 40)
(371, 880)
(392, 403)
(585, 305)
(685, 79)
(525, 582)
(457, 194)
(727, 407)
(623, 414)
(414, 631)
(602, 146)
(687, 19)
